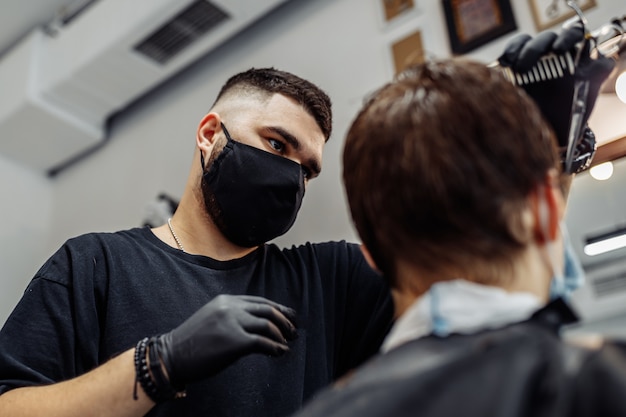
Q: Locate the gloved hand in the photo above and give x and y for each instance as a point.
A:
(224, 330)
(555, 97)
(584, 151)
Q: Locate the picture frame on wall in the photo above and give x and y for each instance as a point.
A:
(473, 23)
(392, 14)
(548, 13)
(394, 8)
(408, 51)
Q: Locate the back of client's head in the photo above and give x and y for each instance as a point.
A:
(437, 168)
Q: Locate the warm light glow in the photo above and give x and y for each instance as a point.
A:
(620, 87)
(602, 172)
(606, 245)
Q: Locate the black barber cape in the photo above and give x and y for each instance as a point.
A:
(524, 369)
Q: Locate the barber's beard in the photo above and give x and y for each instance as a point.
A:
(211, 207)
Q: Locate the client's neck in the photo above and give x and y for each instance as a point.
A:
(528, 272)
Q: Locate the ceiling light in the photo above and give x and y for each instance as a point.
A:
(620, 87)
(602, 171)
(605, 243)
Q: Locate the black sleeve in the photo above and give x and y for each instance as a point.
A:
(35, 342)
(39, 342)
(368, 313)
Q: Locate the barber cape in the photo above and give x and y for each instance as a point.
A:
(460, 306)
(459, 350)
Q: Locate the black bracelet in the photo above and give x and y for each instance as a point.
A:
(150, 376)
(165, 390)
(142, 374)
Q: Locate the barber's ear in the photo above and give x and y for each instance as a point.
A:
(368, 257)
(206, 133)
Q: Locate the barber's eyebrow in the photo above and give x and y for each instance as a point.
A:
(311, 164)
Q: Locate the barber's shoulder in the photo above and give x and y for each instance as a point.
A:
(88, 248)
(330, 252)
(98, 239)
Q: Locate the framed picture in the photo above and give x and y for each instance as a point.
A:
(394, 8)
(473, 23)
(547, 13)
(408, 51)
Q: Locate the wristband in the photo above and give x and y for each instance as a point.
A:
(149, 373)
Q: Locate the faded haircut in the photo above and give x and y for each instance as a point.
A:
(271, 81)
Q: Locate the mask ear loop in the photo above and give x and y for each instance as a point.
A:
(553, 218)
(202, 160)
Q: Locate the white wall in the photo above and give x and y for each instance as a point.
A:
(25, 219)
(342, 45)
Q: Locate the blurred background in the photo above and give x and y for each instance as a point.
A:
(100, 100)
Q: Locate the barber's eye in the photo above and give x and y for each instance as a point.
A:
(277, 145)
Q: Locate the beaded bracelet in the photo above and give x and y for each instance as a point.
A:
(142, 374)
(165, 390)
(151, 377)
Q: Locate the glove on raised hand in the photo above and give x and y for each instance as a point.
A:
(222, 331)
(554, 97)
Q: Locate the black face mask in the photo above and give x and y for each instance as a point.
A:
(252, 195)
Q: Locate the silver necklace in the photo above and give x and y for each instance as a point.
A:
(169, 223)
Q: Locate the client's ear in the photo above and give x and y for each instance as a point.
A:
(548, 207)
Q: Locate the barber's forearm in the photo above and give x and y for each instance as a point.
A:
(105, 391)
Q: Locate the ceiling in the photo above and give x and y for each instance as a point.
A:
(18, 17)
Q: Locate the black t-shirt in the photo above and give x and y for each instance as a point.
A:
(102, 292)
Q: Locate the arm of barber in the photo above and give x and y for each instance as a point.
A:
(225, 329)
(105, 391)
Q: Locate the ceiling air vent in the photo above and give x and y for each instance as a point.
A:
(181, 31)
(73, 82)
(609, 284)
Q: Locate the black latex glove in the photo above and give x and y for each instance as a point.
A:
(583, 152)
(224, 330)
(554, 97)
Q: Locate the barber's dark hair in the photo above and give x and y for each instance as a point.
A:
(270, 80)
(438, 164)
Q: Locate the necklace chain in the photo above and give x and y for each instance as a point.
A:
(169, 223)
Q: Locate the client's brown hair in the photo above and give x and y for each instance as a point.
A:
(438, 163)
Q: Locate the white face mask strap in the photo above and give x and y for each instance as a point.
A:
(555, 255)
(544, 216)
(573, 272)
(554, 250)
